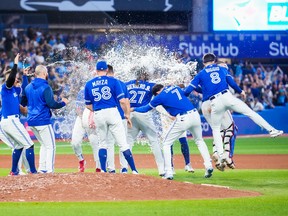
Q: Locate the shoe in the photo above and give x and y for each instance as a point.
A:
(22, 173)
(168, 177)
(275, 133)
(97, 170)
(188, 168)
(124, 170)
(111, 171)
(82, 165)
(135, 172)
(215, 157)
(42, 171)
(208, 173)
(220, 166)
(230, 163)
(162, 174)
(13, 173)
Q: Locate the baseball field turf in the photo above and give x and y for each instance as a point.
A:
(271, 183)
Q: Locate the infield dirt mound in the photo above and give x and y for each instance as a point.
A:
(62, 187)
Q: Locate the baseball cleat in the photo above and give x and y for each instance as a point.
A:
(135, 172)
(167, 177)
(188, 168)
(275, 133)
(230, 163)
(220, 166)
(111, 171)
(13, 173)
(97, 170)
(208, 172)
(162, 174)
(82, 165)
(124, 170)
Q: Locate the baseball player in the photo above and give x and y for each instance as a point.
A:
(84, 124)
(166, 121)
(102, 94)
(38, 96)
(10, 121)
(140, 94)
(172, 98)
(228, 132)
(214, 81)
(110, 139)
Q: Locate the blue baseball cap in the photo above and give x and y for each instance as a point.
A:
(101, 65)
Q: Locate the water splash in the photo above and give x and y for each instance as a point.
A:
(79, 67)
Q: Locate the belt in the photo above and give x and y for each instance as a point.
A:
(11, 117)
(104, 108)
(187, 112)
(216, 95)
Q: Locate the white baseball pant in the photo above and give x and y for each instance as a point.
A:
(46, 137)
(81, 127)
(111, 150)
(192, 122)
(144, 122)
(219, 105)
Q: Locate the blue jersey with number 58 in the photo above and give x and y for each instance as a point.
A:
(140, 94)
(103, 92)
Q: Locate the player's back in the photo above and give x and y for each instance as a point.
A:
(140, 92)
(212, 80)
(103, 92)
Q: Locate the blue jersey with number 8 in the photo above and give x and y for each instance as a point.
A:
(103, 92)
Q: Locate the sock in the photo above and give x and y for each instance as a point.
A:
(128, 156)
(185, 149)
(103, 158)
(15, 159)
(31, 159)
(171, 148)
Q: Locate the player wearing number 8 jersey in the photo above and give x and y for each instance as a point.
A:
(214, 81)
(101, 96)
(140, 93)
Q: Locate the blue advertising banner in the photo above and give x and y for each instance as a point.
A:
(223, 45)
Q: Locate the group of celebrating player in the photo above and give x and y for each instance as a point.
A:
(113, 112)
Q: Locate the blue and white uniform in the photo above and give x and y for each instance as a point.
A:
(38, 96)
(82, 127)
(174, 101)
(103, 93)
(214, 81)
(140, 94)
(11, 125)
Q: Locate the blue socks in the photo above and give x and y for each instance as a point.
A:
(128, 156)
(185, 149)
(15, 159)
(103, 158)
(31, 159)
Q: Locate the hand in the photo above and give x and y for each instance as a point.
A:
(25, 71)
(23, 110)
(65, 100)
(91, 120)
(243, 95)
(129, 122)
(16, 59)
(131, 109)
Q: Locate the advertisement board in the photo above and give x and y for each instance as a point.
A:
(250, 15)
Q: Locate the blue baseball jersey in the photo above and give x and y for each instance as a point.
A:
(10, 100)
(103, 92)
(213, 79)
(126, 95)
(139, 94)
(172, 98)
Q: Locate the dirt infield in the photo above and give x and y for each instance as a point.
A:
(91, 186)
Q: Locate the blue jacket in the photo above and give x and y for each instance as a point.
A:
(38, 95)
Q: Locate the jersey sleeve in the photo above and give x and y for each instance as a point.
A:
(87, 95)
(118, 90)
(232, 83)
(49, 98)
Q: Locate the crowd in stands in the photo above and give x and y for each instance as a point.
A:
(265, 86)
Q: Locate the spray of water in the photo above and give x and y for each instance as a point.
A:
(161, 64)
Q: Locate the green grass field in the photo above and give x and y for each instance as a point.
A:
(272, 184)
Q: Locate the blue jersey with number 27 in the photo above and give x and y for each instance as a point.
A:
(139, 94)
(103, 92)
